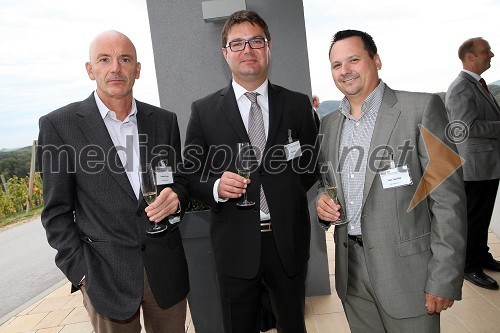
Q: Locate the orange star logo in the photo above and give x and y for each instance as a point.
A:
(443, 162)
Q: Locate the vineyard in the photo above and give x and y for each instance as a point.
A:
(16, 199)
(14, 185)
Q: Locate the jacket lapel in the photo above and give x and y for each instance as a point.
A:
(147, 132)
(95, 131)
(478, 85)
(276, 109)
(332, 134)
(147, 136)
(230, 108)
(384, 126)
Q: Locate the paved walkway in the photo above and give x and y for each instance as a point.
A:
(61, 312)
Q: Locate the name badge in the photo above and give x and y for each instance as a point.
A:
(396, 177)
(293, 150)
(164, 175)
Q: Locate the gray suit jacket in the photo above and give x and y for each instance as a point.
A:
(407, 253)
(92, 216)
(468, 102)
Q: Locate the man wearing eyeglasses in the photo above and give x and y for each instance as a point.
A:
(269, 241)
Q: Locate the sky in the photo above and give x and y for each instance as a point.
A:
(44, 47)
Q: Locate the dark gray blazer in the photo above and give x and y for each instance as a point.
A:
(408, 252)
(92, 217)
(469, 103)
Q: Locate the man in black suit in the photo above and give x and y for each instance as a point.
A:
(269, 241)
(316, 103)
(95, 215)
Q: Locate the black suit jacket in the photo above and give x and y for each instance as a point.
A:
(92, 216)
(214, 129)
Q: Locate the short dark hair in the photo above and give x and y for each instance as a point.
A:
(466, 47)
(368, 42)
(241, 17)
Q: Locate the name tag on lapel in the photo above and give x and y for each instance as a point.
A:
(293, 150)
(164, 175)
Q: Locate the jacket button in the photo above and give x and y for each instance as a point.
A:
(143, 247)
(139, 213)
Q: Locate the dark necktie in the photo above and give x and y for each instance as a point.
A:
(257, 135)
(485, 86)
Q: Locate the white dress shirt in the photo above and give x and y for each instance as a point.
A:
(125, 137)
(244, 105)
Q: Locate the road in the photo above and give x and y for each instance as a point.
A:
(27, 265)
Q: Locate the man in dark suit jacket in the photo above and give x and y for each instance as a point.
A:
(472, 108)
(316, 104)
(95, 215)
(268, 242)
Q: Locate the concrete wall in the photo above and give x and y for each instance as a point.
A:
(188, 58)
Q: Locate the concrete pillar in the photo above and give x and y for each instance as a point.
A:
(189, 66)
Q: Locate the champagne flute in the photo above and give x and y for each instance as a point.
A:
(148, 189)
(331, 182)
(243, 166)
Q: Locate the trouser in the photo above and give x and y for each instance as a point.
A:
(363, 310)
(240, 298)
(480, 203)
(156, 319)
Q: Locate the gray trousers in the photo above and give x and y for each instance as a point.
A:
(363, 310)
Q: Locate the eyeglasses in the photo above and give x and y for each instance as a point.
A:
(254, 43)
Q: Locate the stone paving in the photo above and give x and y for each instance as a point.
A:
(62, 312)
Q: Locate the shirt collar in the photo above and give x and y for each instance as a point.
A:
(104, 111)
(369, 104)
(474, 75)
(239, 91)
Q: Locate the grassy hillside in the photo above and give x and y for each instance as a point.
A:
(15, 162)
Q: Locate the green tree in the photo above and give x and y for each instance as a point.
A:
(495, 91)
(15, 163)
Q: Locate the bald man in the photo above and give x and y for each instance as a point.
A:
(95, 215)
(471, 105)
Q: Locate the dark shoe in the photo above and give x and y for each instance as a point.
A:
(493, 265)
(482, 280)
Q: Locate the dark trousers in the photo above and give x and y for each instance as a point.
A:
(240, 298)
(480, 202)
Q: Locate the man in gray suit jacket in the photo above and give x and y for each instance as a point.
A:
(399, 259)
(476, 115)
(95, 215)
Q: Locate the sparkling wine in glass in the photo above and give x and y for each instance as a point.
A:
(331, 181)
(243, 166)
(148, 189)
(149, 197)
